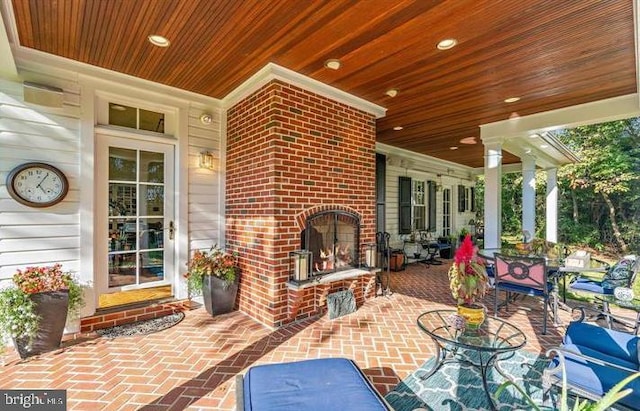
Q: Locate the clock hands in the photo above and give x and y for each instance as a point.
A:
(40, 184)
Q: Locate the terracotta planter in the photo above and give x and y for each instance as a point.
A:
(474, 315)
(219, 297)
(52, 309)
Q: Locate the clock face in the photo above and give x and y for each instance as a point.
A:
(37, 184)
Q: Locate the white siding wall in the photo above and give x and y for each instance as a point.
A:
(33, 236)
(206, 199)
(458, 220)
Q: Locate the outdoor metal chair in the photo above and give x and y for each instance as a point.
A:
(621, 274)
(523, 275)
(431, 248)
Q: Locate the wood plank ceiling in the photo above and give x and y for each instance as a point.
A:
(550, 53)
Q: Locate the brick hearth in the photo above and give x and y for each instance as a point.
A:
(291, 153)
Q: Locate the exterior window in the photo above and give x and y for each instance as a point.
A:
(418, 202)
(136, 118)
(446, 212)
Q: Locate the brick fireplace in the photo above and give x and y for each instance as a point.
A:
(293, 154)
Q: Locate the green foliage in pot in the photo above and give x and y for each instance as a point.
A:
(216, 262)
(467, 276)
(17, 311)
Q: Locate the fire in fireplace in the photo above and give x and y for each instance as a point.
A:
(333, 238)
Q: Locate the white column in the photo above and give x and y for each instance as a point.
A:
(492, 194)
(529, 195)
(552, 205)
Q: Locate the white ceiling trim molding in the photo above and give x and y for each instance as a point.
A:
(275, 72)
(611, 109)
(421, 162)
(532, 134)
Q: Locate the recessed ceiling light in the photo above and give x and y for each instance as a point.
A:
(468, 140)
(398, 128)
(392, 92)
(511, 99)
(333, 64)
(118, 107)
(447, 44)
(544, 145)
(158, 40)
(453, 148)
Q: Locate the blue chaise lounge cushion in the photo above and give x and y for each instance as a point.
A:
(311, 385)
(607, 345)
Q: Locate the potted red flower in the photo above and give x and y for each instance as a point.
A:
(468, 282)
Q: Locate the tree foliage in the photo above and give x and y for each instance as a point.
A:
(598, 196)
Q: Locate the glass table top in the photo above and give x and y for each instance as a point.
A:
(494, 335)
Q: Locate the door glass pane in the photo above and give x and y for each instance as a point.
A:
(152, 267)
(122, 164)
(151, 200)
(122, 199)
(151, 121)
(124, 116)
(122, 269)
(122, 234)
(151, 167)
(151, 231)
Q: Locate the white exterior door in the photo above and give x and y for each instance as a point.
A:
(135, 213)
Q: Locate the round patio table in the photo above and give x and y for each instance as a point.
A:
(494, 337)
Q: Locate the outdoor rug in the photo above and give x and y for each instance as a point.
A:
(459, 387)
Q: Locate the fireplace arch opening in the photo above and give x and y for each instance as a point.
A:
(333, 239)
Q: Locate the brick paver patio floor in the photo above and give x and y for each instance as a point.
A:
(193, 364)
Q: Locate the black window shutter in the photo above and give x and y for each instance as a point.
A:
(431, 191)
(461, 201)
(381, 176)
(404, 217)
(472, 195)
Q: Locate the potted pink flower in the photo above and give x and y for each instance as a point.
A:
(35, 306)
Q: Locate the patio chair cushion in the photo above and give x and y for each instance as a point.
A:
(583, 284)
(311, 385)
(594, 378)
(525, 290)
(619, 275)
(610, 343)
(605, 348)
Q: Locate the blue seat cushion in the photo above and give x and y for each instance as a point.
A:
(523, 289)
(609, 342)
(583, 284)
(311, 385)
(595, 378)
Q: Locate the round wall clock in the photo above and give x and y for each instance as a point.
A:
(37, 184)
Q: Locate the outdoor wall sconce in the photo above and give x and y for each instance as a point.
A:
(206, 118)
(301, 261)
(207, 160)
(370, 255)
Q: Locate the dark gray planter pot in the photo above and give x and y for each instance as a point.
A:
(219, 297)
(52, 309)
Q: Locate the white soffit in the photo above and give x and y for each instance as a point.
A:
(422, 162)
(275, 72)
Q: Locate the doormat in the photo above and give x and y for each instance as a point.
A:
(142, 327)
(341, 303)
